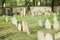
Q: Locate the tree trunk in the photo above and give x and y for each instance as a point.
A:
(52, 6)
(3, 8)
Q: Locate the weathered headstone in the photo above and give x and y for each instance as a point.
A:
(47, 13)
(57, 13)
(57, 36)
(24, 11)
(6, 19)
(55, 18)
(14, 21)
(48, 36)
(40, 35)
(19, 27)
(40, 13)
(25, 27)
(56, 24)
(40, 23)
(32, 13)
(47, 24)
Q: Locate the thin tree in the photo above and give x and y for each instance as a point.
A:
(52, 6)
(3, 8)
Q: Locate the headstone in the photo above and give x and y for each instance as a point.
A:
(40, 13)
(57, 13)
(14, 21)
(47, 13)
(32, 14)
(40, 35)
(57, 36)
(48, 36)
(21, 12)
(24, 11)
(19, 27)
(56, 24)
(25, 27)
(47, 24)
(40, 23)
(6, 19)
(55, 18)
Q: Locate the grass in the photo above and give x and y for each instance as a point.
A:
(9, 31)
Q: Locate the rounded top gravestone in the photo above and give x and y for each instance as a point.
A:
(57, 36)
(56, 24)
(40, 35)
(47, 24)
(55, 18)
(40, 23)
(48, 36)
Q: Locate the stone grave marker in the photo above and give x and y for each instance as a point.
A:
(57, 36)
(47, 24)
(48, 36)
(40, 35)
(25, 27)
(40, 23)
(6, 19)
(56, 24)
(55, 18)
(19, 27)
(14, 21)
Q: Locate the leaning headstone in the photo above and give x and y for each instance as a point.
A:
(57, 36)
(14, 21)
(47, 24)
(56, 24)
(40, 23)
(23, 26)
(40, 35)
(19, 27)
(48, 36)
(6, 19)
(27, 29)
